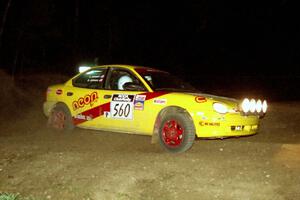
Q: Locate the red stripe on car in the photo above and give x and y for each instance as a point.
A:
(99, 110)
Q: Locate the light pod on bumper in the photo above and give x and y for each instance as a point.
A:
(258, 106)
(252, 105)
(246, 105)
(264, 106)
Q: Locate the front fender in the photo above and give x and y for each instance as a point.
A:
(160, 115)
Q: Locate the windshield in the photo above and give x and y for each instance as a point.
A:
(160, 80)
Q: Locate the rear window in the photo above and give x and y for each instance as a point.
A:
(92, 79)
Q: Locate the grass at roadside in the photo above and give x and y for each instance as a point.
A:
(10, 196)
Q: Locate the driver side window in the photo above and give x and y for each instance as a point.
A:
(119, 77)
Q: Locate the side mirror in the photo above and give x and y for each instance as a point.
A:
(133, 87)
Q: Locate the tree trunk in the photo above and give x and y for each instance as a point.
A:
(4, 20)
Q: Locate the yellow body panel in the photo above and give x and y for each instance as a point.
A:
(99, 109)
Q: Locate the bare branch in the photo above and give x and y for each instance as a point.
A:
(4, 20)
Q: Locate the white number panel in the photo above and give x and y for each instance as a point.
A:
(121, 106)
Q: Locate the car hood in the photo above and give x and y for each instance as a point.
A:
(226, 100)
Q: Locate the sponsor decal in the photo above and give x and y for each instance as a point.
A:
(138, 105)
(121, 106)
(200, 99)
(123, 97)
(88, 99)
(139, 102)
(160, 101)
(80, 116)
(83, 117)
(140, 97)
(59, 91)
(201, 123)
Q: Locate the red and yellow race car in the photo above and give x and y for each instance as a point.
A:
(143, 100)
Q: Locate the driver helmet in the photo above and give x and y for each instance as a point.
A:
(123, 80)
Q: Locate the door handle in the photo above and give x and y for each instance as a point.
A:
(107, 96)
(69, 93)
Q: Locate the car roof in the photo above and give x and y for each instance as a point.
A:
(122, 66)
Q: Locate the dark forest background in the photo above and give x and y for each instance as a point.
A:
(200, 40)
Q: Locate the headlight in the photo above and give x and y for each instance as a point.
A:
(220, 108)
(264, 106)
(246, 105)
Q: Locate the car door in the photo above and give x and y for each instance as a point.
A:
(84, 97)
(120, 113)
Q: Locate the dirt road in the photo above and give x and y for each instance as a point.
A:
(43, 164)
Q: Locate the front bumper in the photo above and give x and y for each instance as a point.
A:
(227, 126)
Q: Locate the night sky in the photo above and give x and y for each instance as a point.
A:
(194, 38)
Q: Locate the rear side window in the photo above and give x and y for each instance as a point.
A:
(92, 79)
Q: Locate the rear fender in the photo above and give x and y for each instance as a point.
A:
(50, 105)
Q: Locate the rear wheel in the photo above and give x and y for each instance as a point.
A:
(60, 118)
(176, 132)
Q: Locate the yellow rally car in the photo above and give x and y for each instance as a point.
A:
(142, 100)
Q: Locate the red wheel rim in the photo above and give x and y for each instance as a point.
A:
(58, 119)
(172, 133)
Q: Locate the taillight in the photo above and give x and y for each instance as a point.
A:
(47, 92)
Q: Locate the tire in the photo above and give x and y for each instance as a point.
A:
(60, 118)
(176, 132)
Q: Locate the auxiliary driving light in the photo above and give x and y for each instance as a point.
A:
(258, 106)
(264, 106)
(246, 105)
(252, 105)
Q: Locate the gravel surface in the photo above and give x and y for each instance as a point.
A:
(85, 164)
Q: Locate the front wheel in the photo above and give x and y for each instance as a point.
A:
(176, 132)
(60, 118)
